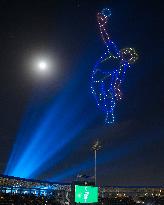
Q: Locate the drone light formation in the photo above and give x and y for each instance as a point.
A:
(109, 71)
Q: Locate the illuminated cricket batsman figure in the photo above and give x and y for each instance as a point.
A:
(86, 194)
(109, 71)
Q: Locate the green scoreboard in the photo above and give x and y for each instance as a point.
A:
(86, 194)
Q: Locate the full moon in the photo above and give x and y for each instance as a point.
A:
(42, 65)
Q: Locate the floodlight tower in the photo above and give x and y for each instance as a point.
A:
(95, 147)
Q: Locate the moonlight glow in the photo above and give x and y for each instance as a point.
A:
(42, 65)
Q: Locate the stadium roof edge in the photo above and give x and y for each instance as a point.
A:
(32, 180)
(103, 186)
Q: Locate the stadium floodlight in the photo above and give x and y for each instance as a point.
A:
(95, 147)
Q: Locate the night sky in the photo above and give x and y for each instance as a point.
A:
(67, 31)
